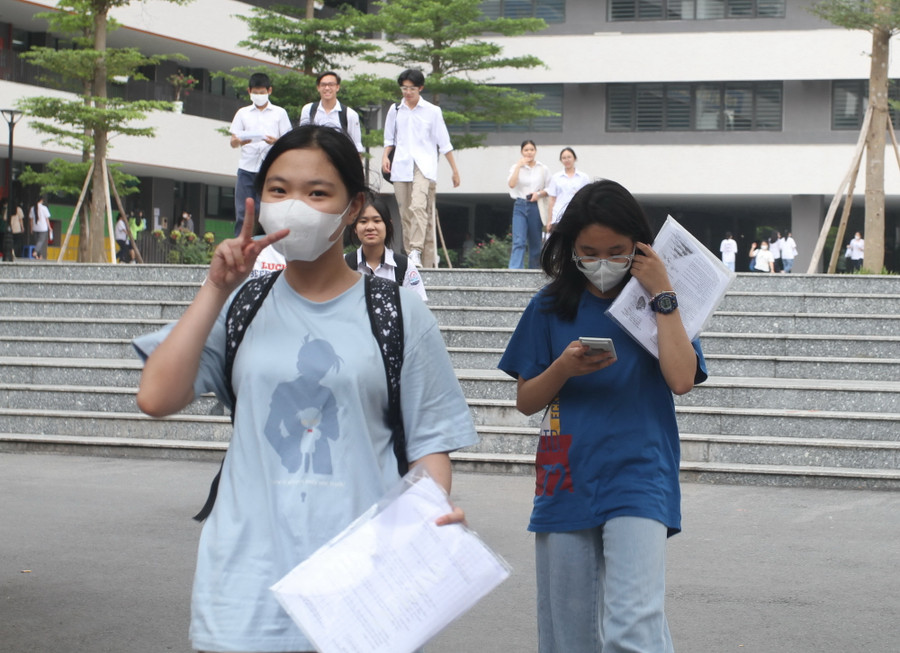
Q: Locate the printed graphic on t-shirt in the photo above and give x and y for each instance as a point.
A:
(303, 413)
(552, 461)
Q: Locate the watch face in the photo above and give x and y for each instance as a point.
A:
(666, 304)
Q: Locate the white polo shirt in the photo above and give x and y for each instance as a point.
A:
(333, 119)
(420, 136)
(253, 122)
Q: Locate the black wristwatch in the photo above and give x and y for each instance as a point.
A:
(664, 302)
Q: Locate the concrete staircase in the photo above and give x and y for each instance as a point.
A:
(803, 386)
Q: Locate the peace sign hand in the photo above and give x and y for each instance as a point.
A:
(234, 257)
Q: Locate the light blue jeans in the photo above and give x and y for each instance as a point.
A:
(602, 590)
(526, 228)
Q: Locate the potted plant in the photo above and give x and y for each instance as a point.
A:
(183, 85)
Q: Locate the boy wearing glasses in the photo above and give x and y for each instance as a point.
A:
(329, 111)
(415, 132)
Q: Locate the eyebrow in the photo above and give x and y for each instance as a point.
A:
(308, 182)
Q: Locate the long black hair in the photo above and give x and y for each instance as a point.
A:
(602, 202)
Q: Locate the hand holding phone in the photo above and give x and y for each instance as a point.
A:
(598, 345)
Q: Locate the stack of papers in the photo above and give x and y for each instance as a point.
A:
(698, 277)
(393, 579)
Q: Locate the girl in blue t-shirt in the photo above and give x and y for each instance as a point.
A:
(607, 493)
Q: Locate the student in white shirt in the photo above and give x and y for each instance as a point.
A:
(564, 184)
(788, 253)
(373, 233)
(254, 129)
(40, 228)
(328, 110)
(415, 132)
(728, 247)
(856, 248)
(527, 179)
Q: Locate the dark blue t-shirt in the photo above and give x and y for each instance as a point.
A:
(609, 444)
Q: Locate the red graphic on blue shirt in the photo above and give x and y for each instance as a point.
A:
(552, 461)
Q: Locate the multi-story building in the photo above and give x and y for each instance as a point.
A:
(730, 115)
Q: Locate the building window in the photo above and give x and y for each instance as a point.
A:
(850, 99)
(552, 100)
(620, 10)
(728, 106)
(552, 11)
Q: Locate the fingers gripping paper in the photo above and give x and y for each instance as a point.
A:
(392, 579)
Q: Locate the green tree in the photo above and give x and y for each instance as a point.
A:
(87, 123)
(444, 38)
(882, 19)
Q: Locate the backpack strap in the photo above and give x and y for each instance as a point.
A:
(386, 319)
(402, 266)
(312, 112)
(352, 260)
(241, 312)
(342, 117)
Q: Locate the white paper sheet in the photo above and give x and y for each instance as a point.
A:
(698, 277)
(251, 136)
(393, 579)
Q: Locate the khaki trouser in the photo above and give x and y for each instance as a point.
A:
(416, 201)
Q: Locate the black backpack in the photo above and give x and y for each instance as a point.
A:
(387, 327)
(342, 116)
(399, 271)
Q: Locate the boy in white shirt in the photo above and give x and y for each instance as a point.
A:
(254, 129)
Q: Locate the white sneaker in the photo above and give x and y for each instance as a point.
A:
(416, 257)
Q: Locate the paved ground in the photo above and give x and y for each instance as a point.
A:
(108, 545)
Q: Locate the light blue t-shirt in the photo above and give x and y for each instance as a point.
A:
(611, 446)
(310, 450)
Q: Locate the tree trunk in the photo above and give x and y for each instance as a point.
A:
(873, 257)
(98, 198)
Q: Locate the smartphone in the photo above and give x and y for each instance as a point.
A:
(598, 345)
(529, 196)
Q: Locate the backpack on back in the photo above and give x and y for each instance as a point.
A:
(386, 321)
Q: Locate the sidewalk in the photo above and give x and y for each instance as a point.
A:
(109, 547)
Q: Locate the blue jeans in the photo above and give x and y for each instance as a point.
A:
(602, 590)
(243, 188)
(526, 227)
(788, 264)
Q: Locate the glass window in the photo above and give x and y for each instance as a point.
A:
(734, 106)
(707, 107)
(552, 11)
(621, 10)
(620, 107)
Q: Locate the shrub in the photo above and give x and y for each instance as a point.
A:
(490, 254)
(187, 248)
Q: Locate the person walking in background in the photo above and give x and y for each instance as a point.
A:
(121, 233)
(311, 447)
(856, 248)
(40, 228)
(527, 180)
(329, 111)
(254, 129)
(563, 185)
(373, 234)
(775, 241)
(17, 226)
(607, 494)
(762, 258)
(414, 135)
(728, 248)
(788, 253)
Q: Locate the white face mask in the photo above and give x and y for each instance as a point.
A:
(604, 274)
(311, 230)
(259, 99)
